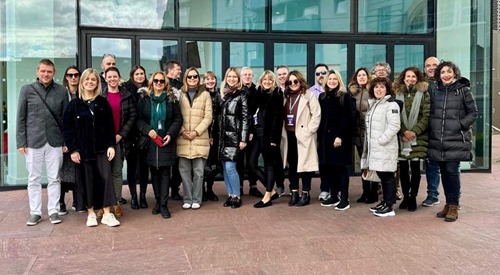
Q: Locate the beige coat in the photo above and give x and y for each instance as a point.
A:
(306, 127)
(196, 116)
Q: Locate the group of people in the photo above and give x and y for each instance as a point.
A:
(189, 131)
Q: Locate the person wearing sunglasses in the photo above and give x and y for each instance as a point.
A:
(320, 72)
(108, 60)
(302, 116)
(233, 133)
(68, 181)
(160, 118)
(193, 144)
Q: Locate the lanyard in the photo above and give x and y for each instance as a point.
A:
(290, 106)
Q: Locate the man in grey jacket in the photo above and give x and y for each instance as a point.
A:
(39, 138)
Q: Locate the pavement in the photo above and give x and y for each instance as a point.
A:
(273, 240)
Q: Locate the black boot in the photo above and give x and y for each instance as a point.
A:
(412, 204)
(373, 193)
(304, 200)
(415, 185)
(294, 198)
(134, 204)
(156, 209)
(143, 203)
(366, 191)
(404, 203)
(204, 194)
(164, 212)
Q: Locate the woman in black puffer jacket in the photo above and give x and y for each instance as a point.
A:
(453, 111)
(233, 133)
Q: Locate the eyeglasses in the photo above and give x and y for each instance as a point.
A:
(159, 81)
(108, 55)
(321, 73)
(75, 75)
(290, 82)
(195, 76)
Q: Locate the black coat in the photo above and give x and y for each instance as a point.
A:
(233, 125)
(166, 155)
(453, 111)
(213, 131)
(336, 119)
(86, 133)
(269, 117)
(128, 115)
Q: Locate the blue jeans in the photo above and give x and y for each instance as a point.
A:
(432, 175)
(231, 178)
(450, 176)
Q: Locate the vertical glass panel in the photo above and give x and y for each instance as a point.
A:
(121, 48)
(394, 16)
(144, 14)
(29, 31)
(247, 54)
(312, 15)
(463, 37)
(155, 53)
(292, 55)
(369, 54)
(205, 56)
(333, 55)
(406, 56)
(223, 14)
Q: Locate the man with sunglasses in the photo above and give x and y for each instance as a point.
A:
(320, 71)
(108, 60)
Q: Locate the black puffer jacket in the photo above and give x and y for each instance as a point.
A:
(453, 111)
(87, 133)
(166, 155)
(233, 125)
(128, 115)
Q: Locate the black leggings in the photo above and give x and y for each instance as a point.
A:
(268, 154)
(137, 169)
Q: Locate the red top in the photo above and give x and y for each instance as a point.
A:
(114, 102)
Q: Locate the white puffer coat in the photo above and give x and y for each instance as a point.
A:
(381, 143)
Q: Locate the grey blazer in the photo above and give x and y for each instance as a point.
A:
(35, 125)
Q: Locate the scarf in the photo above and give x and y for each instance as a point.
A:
(411, 119)
(228, 90)
(158, 112)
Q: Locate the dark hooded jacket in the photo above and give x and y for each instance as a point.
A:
(453, 111)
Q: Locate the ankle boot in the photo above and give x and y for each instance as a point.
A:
(304, 200)
(373, 193)
(204, 194)
(134, 204)
(404, 203)
(442, 213)
(366, 191)
(294, 198)
(412, 204)
(143, 203)
(452, 214)
(156, 209)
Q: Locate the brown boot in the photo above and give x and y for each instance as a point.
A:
(452, 213)
(442, 213)
(118, 211)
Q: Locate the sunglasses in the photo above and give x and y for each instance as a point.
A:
(75, 75)
(321, 73)
(290, 82)
(195, 76)
(159, 81)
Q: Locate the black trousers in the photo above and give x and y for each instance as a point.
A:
(409, 186)
(176, 180)
(388, 187)
(137, 170)
(160, 178)
(337, 179)
(265, 176)
(293, 159)
(96, 182)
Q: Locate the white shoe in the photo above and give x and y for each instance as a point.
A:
(186, 206)
(195, 206)
(110, 220)
(323, 196)
(91, 220)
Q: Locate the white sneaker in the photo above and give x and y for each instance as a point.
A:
(92, 220)
(323, 196)
(195, 206)
(187, 206)
(110, 220)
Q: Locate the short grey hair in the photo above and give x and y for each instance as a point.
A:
(382, 64)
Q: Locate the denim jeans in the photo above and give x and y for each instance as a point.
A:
(231, 178)
(450, 176)
(432, 175)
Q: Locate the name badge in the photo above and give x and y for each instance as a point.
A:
(290, 120)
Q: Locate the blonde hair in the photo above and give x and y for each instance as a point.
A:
(341, 89)
(150, 83)
(223, 83)
(270, 74)
(97, 91)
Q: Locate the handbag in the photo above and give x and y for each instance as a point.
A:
(370, 175)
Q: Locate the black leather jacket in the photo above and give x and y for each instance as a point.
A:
(233, 125)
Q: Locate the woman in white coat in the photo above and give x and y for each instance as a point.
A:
(380, 152)
(298, 139)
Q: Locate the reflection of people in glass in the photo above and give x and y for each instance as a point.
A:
(89, 135)
(453, 111)
(70, 82)
(193, 144)
(160, 117)
(137, 169)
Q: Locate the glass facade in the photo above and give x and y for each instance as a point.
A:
(216, 34)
